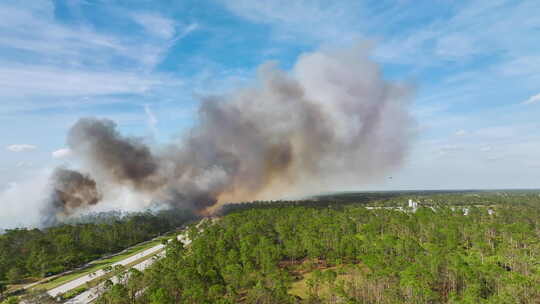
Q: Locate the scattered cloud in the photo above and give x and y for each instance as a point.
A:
(487, 28)
(485, 149)
(46, 58)
(34, 31)
(61, 153)
(21, 147)
(532, 99)
(461, 132)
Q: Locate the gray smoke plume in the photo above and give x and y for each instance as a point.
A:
(332, 119)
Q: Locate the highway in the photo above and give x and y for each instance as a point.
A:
(93, 293)
(89, 277)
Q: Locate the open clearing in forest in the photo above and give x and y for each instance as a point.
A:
(320, 281)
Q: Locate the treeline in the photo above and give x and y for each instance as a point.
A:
(397, 198)
(477, 198)
(349, 255)
(312, 203)
(37, 253)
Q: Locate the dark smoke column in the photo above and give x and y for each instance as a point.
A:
(123, 159)
(72, 190)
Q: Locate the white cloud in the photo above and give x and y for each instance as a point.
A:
(21, 147)
(532, 99)
(460, 132)
(61, 153)
(158, 25)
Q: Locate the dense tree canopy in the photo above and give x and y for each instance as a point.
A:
(352, 254)
(35, 252)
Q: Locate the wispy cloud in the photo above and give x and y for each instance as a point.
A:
(151, 119)
(496, 28)
(61, 153)
(21, 147)
(53, 81)
(34, 30)
(42, 57)
(156, 24)
(312, 20)
(190, 28)
(532, 99)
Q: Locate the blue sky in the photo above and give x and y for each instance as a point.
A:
(475, 66)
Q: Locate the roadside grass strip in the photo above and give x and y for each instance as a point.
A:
(97, 265)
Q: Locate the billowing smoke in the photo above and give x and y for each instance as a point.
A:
(125, 160)
(72, 190)
(332, 118)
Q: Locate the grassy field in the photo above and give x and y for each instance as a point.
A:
(99, 264)
(320, 282)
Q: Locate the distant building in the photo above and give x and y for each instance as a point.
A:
(413, 204)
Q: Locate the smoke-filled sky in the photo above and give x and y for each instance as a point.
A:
(470, 68)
